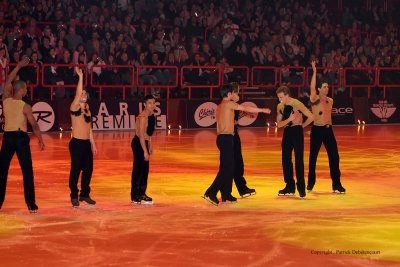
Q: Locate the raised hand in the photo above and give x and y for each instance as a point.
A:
(314, 64)
(79, 72)
(23, 62)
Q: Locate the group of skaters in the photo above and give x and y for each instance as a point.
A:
(290, 115)
(82, 145)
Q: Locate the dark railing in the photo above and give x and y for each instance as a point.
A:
(205, 77)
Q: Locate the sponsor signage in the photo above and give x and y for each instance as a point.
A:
(384, 111)
(202, 114)
(343, 111)
(205, 114)
(116, 115)
(44, 115)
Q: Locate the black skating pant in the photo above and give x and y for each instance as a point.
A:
(140, 171)
(223, 180)
(325, 135)
(239, 165)
(17, 142)
(81, 161)
(293, 139)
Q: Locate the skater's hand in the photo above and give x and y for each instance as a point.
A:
(41, 145)
(151, 150)
(94, 149)
(79, 72)
(266, 110)
(294, 116)
(313, 65)
(24, 62)
(146, 156)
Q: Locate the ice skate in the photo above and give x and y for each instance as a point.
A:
(88, 200)
(338, 189)
(211, 199)
(146, 200)
(286, 192)
(247, 192)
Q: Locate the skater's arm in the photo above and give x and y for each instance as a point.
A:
(32, 121)
(281, 122)
(142, 133)
(150, 146)
(313, 84)
(94, 148)
(307, 113)
(11, 76)
(253, 109)
(79, 87)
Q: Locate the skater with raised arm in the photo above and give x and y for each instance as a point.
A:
(290, 116)
(142, 148)
(322, 132)
(16, 139)
(240, 181)
(82, 146)
(225, 134)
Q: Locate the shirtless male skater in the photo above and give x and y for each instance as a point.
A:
(16, 138)
(322, 132)
(225, 134)
(290, 116)
(82, 146)
(142, 148)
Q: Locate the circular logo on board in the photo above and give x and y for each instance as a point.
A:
(205, 114)
(44, 115)
(246, 118)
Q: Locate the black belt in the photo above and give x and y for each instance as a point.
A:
(324, 126)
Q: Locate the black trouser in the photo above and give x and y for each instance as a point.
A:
(293, 138)
(319, 135)
(140, 171)
(18, 142)
(239, 166)
(81, 160)
(223, 180)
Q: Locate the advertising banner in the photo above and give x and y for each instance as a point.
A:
(384, 111)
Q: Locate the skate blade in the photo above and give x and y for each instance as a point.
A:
(209, 200)
(338, 192)
(84, 203)
(287, 195)
(33, 211)
(147, 202)
(229, 202)
(136, 202)
(247, 195)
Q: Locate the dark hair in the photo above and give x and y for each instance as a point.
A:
(18, 85)
(322, 81)
(225, 90)
(283, 89)
(147, 97)
(235, 87)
